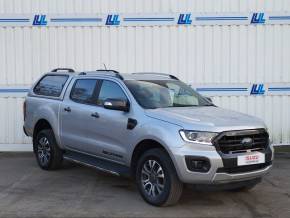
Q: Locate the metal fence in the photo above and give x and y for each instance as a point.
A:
(210, 57)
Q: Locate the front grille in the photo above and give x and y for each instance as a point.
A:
(243, 169)
(231, 141)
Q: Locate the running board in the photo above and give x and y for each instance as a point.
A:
(97, 163)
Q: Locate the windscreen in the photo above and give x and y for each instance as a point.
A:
(152, 94)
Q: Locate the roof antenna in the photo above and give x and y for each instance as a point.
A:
(105, 66)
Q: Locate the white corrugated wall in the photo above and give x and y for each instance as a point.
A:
(196, 54)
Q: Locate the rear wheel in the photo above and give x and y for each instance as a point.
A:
(48, 154)
(157, 179)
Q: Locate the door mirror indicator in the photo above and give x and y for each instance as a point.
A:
(117, 104)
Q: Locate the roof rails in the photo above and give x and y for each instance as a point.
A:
(63, 69)
(159, 74)
(105, 72)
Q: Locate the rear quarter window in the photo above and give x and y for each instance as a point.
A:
(50, 85)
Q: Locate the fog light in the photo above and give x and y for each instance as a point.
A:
(197, 164)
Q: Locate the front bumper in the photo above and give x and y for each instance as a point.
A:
(223, 168)
(227, 177)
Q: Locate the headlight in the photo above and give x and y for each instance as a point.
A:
(198, 137)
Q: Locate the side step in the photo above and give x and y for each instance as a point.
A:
(97, 163)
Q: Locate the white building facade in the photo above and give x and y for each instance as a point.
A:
(236, 51)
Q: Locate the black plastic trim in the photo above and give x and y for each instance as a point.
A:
(189, 158)
(24, 130)
(215, 140)
(117, 74)
(243, 169)
(231, 165)
(70, 70)
(226, 186)
(132, 123)
(98, 163)
(159, 74)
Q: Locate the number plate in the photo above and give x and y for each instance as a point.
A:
(255, 158)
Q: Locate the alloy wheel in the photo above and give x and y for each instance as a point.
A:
(152, 178)
(43, 150)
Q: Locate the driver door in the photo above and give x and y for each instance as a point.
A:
(111, 126)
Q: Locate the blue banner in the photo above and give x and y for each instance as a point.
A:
(226, 89)
(145, 19)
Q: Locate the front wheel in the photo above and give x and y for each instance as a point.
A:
(157, 179)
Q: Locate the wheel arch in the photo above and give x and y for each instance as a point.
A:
(40, 125)
(143, 146)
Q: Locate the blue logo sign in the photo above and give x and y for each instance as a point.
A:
(39, 20)
(258, 18)
(258, 89)
(113, 19)
(184, 19)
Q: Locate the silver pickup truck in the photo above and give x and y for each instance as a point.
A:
(149, 126)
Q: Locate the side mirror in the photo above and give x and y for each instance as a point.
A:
(117, 104)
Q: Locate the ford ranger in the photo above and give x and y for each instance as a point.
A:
(149, 126)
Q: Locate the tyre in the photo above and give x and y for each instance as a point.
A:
(48, 154)
(157, 179)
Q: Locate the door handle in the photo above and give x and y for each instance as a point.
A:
(67, 109)
(95, 115)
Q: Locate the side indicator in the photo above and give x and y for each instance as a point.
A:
(131, 123)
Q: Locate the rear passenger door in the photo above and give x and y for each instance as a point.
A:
(79, 116)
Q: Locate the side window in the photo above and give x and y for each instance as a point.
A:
(110, 89)
(83, 91)
(50, 85)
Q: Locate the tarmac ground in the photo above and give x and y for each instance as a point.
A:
(78, 191)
